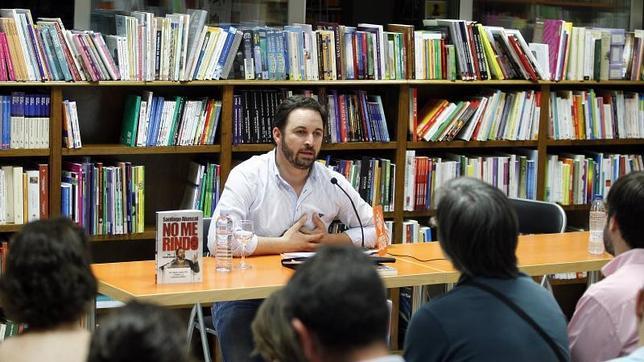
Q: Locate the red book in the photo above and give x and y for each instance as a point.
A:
(525, 63)
(470, 43)
(43, 170)
(11, 75)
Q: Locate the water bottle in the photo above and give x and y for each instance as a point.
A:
(223, 239)
(596, 223)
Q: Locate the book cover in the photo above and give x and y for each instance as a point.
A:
(179, 246)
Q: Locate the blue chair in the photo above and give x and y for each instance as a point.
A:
(540, 217)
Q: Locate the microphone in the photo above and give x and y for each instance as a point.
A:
(335, 182)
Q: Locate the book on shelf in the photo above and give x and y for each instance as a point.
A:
(590, 114)
(150, 120)
(71, 128)
(24, 194)
(574, 179)
(513, 173)
(202, 188)
(373, 178)
(414, 232)
(179, 246)
(105, 200)
(24, 121)
(500, 116)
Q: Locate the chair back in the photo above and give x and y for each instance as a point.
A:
(539, 217)
(206, 230)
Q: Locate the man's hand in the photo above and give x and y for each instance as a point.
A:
(301, 239)
(320, 227)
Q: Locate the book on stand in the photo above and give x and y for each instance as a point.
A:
(179, 246)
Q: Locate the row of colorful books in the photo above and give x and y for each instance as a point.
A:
(352, 117)
(150, 120)
(586, 114)
(24, 194)
(574, 179)
(10, 328)
(414, 232)
(183, 47)
(373, 178)
(24, 120)
(105, 200)
(498, 116)
(514, 174)
(203, 186)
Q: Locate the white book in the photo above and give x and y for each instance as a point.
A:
(18, 196)
(8, 187)
(33, 195)
(3, 198)
(144, 119)
(410, 180)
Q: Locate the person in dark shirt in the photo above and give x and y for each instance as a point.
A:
(478, 232)
(180, 261)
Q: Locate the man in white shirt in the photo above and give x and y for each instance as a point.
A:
(291, 200)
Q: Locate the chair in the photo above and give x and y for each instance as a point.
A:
(539, 217)
(197, 321)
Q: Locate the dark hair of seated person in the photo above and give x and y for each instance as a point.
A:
(140, 332)
(48, 280)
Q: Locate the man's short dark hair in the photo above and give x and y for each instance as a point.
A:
(625, 201)
(477, 228)
(339, 296)
(48, 280)
(296, 102)
(140, 332)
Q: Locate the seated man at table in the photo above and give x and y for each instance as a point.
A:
(48, 286)
(291, 200)
(495, 312)
(334, 308)
(603, 325)
(140, 332)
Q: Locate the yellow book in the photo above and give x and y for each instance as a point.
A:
(139, 171)
(214, 33)
(493, 63)
(375, 187)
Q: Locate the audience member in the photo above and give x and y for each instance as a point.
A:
(603, 325)
(275, 339)
(336, 305)
(47, 286)
(495, 312)
(140, 332)
(638, 355)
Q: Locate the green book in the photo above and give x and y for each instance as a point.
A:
(176, 119)
(130, 120)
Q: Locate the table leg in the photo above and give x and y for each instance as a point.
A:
(198, 313)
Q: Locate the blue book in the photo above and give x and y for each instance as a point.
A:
(6, 121)
(54, 67)
(225, 52)
(65, 202)
(149, 139)
(59, 52)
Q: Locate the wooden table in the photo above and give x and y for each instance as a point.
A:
(537, 255)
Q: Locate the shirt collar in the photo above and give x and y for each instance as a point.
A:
(633, 256)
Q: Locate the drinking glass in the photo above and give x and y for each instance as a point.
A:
(244, 233)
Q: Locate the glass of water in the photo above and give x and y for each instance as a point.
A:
(243, 234)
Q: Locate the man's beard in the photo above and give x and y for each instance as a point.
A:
(608, 242)
(292, 158)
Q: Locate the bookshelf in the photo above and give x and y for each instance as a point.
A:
(164, 185)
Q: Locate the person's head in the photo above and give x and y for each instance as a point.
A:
(477, 228)
(337, 305)
(48, 281)
(624, 228)
(298, 130)
(275, 338)
(140, 332)
(180, 253)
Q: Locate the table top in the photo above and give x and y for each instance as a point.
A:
(537, 254)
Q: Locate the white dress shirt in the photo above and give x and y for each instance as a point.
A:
(255, 191)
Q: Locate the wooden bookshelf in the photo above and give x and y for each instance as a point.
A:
(586, 143)
(10, 228)
(471, 144)
(395, 95)
(149, 233)
(113, 149)
(40, 152)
